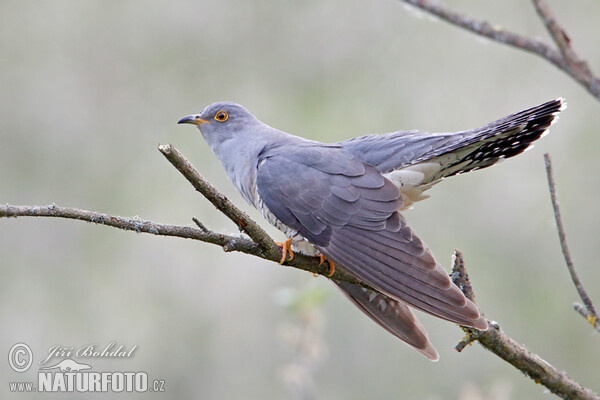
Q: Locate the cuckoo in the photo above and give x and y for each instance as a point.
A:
(342, 201)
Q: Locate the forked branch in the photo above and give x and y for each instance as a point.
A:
(261, 245)
(496, 341)
(563, 56)
(587, 310)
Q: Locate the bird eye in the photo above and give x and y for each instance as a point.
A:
(221, 116)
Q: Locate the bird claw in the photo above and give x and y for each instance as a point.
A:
(286, 247)
(331, 265)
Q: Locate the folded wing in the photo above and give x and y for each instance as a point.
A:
(348, 210)
(394, 316)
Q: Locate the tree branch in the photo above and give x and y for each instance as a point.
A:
(261, 246)
(587, 311)
(575, 66)
(496, 341)
(564, 58)
(269, 250)
(222, 203)
(231, 243)
(227, 242)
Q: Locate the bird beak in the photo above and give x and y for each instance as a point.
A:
(192, 119)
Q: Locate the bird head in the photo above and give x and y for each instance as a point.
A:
(221, 121)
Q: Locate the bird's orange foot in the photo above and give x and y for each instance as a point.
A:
(331, 265)
(286, 247)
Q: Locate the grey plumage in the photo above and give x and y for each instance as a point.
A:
(396, 317)
(511, 135)
(344, 198)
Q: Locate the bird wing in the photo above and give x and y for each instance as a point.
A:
(394, 316)
(391, 151)
(348, 210)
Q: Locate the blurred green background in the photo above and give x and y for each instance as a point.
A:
(88, 89)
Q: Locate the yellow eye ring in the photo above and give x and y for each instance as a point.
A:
(221, 116)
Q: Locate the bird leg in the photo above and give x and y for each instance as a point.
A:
(331, 265)
(286, 247)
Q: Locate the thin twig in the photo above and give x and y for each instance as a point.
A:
(496, 341)
(580, 308)
(240, 218)
(131, 224)
(261, 245)
(578, 68)
(269, 249)
(492, 339)
(199, 224)
(590, 315)
(460, 276)
(554, 29)
(461, 279)
(538, 47)
(227, 242)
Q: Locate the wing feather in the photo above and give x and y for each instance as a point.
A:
(392, 315)
(348, 210)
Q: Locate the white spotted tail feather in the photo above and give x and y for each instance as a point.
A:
(505, 138)
(415, 161)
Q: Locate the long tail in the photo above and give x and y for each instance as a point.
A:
(415, 161)
(456, 152)
(504, 138)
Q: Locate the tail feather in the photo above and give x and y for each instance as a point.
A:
(420, 160)
(504, 138)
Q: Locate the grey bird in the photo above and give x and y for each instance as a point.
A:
(345, 200)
